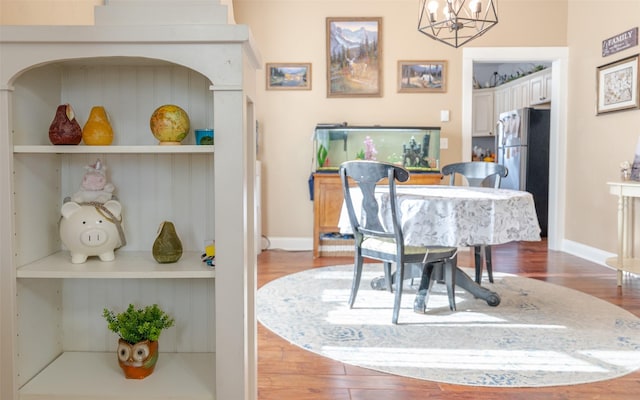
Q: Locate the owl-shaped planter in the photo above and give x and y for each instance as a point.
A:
(137, 360)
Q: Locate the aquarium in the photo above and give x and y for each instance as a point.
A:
(415, 148)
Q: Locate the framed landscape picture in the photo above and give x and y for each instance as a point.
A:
(617, 85)
(354, 57)
(422, 76)
(291, 76)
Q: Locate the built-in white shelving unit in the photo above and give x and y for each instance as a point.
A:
(54, 343)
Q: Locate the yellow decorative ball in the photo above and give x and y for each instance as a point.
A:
(169, 124)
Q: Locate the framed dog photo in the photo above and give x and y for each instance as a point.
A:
(617, 85)
(422, 76)
(291, 76)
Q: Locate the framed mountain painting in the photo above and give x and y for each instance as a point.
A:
(354, 57)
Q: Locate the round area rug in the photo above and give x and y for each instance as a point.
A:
(540, 335)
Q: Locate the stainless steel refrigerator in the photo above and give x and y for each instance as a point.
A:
(522, 144)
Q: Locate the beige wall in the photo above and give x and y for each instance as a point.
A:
(47, 12)
(293, 31)
(597, 144)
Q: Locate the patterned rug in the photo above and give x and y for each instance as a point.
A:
(540, 335)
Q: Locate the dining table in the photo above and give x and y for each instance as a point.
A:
(456, 216)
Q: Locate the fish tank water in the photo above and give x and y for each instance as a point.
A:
(415, 148)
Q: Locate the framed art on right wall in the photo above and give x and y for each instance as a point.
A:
(617, 85)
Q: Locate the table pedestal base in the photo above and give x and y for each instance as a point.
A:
(462, 280)
(465, 282)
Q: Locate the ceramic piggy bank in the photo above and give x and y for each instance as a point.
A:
(91, 230)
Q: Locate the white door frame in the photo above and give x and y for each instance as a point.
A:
(559, 57)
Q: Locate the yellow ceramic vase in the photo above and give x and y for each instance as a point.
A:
(97, 131)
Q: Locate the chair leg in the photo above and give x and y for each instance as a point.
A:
(477, 252)
(398, 296)
(450, 280)
(357, 274)
(487, 257)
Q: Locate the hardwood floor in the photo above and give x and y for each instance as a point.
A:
(286, 372)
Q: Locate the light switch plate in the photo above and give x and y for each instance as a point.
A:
(444, 115)
(444, 143)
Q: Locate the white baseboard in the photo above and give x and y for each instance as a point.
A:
(288, 244)
(568, 246)
(587, 252)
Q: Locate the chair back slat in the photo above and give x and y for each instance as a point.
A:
(477, 173)
(370, 207)
(368, 175)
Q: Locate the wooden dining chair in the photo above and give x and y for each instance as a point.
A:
(480, 174)
(375, 240)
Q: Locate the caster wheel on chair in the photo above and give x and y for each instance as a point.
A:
(379, 283)
(493, 300)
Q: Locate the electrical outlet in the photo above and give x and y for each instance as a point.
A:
(444, 143)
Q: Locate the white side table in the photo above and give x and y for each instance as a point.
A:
(625, 261)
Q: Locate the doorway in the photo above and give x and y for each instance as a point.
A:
(558, 57)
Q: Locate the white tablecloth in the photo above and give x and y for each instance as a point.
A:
(457, 216)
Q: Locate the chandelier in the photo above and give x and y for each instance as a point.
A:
(454, 24)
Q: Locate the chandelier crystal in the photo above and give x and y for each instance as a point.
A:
(456, 22)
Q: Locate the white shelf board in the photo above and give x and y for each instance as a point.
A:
(95, 375)
(127, 264)
(83, 149)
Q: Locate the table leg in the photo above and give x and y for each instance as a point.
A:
(465, 282)
(622, 236)
(422, 296)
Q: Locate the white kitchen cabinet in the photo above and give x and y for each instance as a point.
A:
(483, 112)
(54, 343)
(519, 95)
(502, 101)
(540, 87)
(527, 91)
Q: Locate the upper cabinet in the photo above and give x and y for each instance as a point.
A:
(488, 104)
(483, 112)
(540, 88)
(502, 100)
(519, 95)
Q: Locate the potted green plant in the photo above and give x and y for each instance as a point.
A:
(139, 330)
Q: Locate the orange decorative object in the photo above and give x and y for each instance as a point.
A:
(137, 360)
(97, 131)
